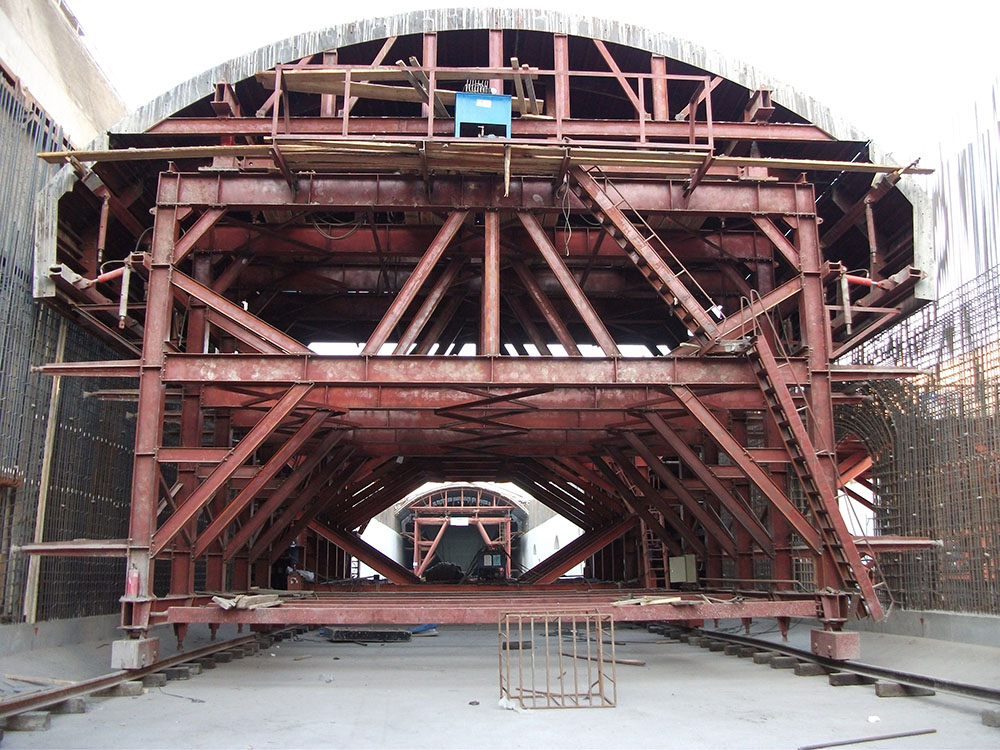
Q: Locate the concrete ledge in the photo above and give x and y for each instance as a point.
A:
(981, 630)
(20, 637)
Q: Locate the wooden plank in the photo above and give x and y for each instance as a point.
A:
(325, 76)
(518, 87)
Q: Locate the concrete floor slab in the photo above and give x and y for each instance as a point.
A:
(421, 694)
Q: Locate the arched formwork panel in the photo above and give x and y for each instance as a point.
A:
(629, 305)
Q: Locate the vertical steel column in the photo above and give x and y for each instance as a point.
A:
(149, 424)
(781, 530)
(744, 544)
(489, 331)
(182, 562)
(560, 53)
(429, 61)
(328, 102)
(658, 67)
(496, 59)
(815, 325)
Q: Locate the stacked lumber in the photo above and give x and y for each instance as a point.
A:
(248, 601)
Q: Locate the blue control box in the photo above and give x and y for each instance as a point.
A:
(482, 115)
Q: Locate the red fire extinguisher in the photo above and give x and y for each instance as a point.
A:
(132, 582)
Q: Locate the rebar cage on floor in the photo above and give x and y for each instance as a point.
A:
(558, 660)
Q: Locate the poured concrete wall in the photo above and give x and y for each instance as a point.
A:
(386, 541)
(41, 46)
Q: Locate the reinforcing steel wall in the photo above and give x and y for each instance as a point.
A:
(88, 483)
(935, 441)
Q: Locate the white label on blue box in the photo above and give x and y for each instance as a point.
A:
(484, 103)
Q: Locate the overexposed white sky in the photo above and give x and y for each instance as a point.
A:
(905, 73)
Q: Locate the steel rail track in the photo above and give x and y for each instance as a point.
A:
(45, 698)
(980, 692)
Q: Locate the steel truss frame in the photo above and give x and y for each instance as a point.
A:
(275, 442)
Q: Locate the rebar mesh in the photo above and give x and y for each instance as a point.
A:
(92, 456)
(935, 441)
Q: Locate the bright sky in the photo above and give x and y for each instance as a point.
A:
(906, 73)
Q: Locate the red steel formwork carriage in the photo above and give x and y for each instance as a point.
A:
(631, 308)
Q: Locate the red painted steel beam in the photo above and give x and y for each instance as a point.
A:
(761, 479)
(191, 506)
(359, 548)
(342, 467)
(365, 479)
(362, 509)
(736, 506)
(367, 403)
(429, 305)
(785, 247)
(278, 497)
(553, 567)
(416, 280)
(706, 517)
(853, 467)
(404, 241)
(531, 486)
(245, 320)
(741, 323)
(489, 323)
(569, 284)
(547, 309)
(453, 372)
(396, 192)
(426, 557)
(211, 129)
(625, 86)
(656, 499)
(638, 506)
(206, 221)
(258, 482)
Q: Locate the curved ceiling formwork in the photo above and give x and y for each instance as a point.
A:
(630, 307)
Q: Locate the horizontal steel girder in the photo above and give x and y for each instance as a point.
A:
(469, 608)
(409, 241)
(485, 372)
(215, 127)
(399, 192)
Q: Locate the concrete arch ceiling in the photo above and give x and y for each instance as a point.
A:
(464, 19)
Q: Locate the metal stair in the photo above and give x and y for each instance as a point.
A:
(654, 555)
(669, 278)
(821, 497)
